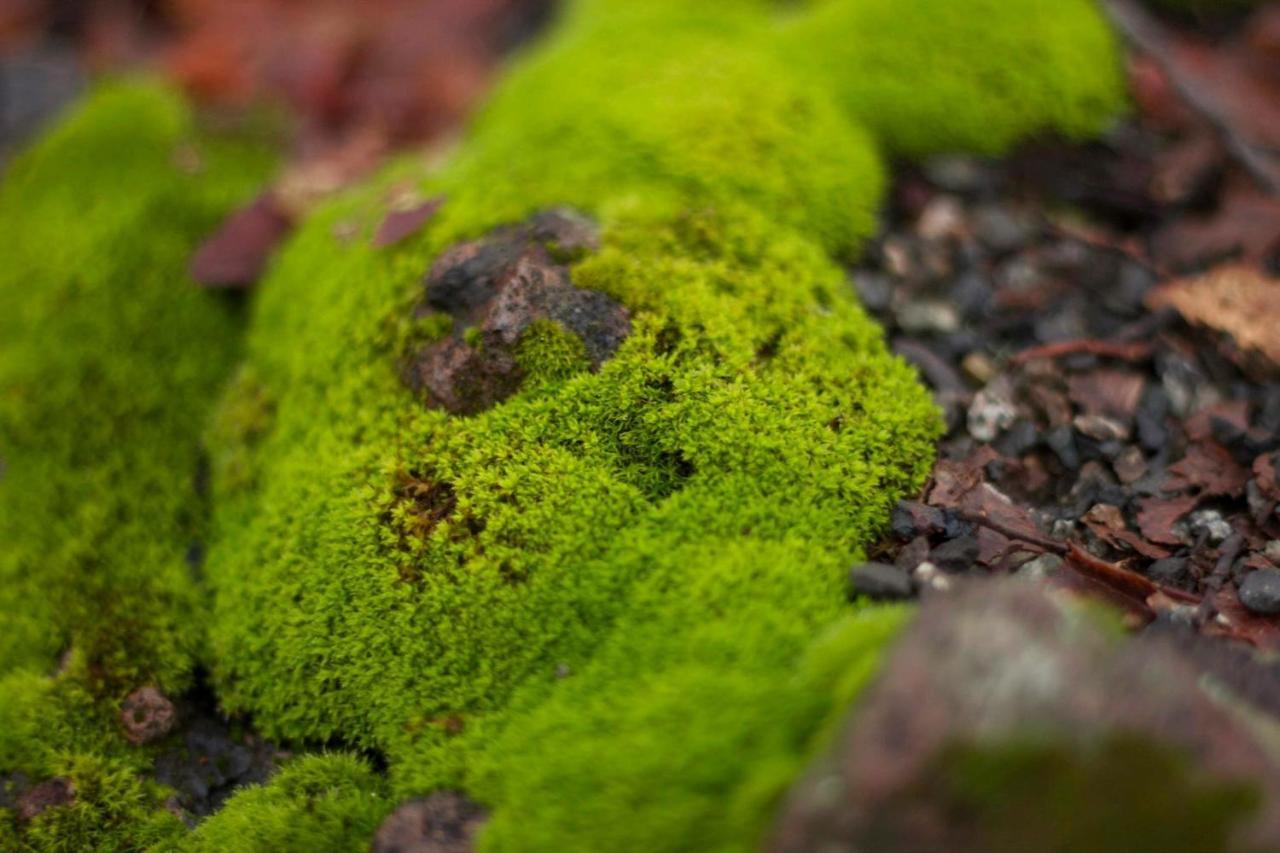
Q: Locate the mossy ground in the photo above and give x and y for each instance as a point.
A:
(110, 361)
(627, 628)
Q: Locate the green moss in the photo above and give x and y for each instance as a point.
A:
(527, 603)
(318, 802)
(110, 360)
(523, 604)
(112, 809)
(978, 75)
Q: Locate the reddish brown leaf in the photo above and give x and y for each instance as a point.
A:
(236, 255)
(1209, 468)
(1235, 621)
(1157, 515)
(1108, 524)
(405, 222)
(1237, 300)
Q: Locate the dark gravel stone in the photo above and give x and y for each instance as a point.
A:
(1171, 571)
(956, 555)
(1260, 591)
(498, 286)
(879, 581)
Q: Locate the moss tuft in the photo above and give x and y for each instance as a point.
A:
(110, 361)
(318, 802)
(980, 75)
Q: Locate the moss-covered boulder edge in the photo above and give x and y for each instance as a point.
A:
(610, 608)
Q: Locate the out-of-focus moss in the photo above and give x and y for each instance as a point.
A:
(110, 362)
(976, 75)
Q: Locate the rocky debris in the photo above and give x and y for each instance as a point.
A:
(207, 759)
(1106, 406)
(494, 289)
(444, 822)
(1260, 591)
(1002, 670)
(51, 793)
(147, 715)
(879, 581)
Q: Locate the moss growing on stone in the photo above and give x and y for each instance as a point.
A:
(531, 602)
(593, 606)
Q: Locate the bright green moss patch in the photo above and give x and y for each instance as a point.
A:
(591, 606)
(318, 802)
(984, 74)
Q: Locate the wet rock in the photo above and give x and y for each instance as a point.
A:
(147, 715)
(879, 581)
(496, 287)
(210, 762)
(913, 518)
(444, 822)
(1260, 591)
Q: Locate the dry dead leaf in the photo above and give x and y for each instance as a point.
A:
(1236, 299)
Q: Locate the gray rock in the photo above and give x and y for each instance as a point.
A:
(880, 581)
(1260, 591)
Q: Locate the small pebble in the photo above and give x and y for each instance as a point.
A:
(956, 555)
(1260, 591)
(1211, 522)
(1171, 571)
(1040, 567)
(880, 582)
(930, 577)
(990, 414)
(927, 315)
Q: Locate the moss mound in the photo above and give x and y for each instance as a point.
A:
(997, 71)
(611, 607)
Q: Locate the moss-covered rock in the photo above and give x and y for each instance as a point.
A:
(609, 607)
(533, 602)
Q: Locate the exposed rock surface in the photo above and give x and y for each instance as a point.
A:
(1003, 673)
(500, 285)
